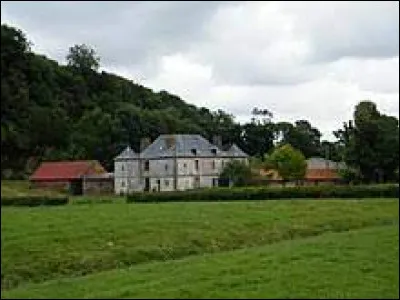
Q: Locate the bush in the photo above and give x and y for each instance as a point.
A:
(265, 193)
(236, 172)
(33, 201)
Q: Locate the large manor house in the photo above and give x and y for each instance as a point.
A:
(173, 162)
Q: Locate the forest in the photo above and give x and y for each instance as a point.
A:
(51, 111)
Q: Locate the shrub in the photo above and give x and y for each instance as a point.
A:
(33, 201)
(266, 193)
(236, 172)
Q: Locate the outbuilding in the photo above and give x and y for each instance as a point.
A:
(65, 175)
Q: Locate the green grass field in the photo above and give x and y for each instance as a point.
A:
(334, 265)
(46, 251)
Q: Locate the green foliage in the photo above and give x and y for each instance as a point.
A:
(359, 264)
(267, 193)
(257, 137)
(33, 201)
(350, 175)
(371, 143)
(53, 112)
(39, 244)
(301, 136)
(289, 162)
(83, 58)
(237, 172)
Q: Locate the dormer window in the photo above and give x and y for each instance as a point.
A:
(194, 151)
(214, 151)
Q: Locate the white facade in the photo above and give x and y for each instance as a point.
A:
(152, 171)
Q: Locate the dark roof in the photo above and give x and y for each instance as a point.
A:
(187, 145)
(322, 163)
(66, 170)
(128, 153)
(235, 151)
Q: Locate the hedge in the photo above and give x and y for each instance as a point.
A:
(265, 193)
(33, 201)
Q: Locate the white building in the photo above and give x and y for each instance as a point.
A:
(172, 162)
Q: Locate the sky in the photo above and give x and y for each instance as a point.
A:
(300, 60)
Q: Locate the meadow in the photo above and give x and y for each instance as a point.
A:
(291, 248)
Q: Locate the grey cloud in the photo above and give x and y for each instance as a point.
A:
(138, 34)
(357, 29)
(124, 33)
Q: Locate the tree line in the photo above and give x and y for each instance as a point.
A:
(51, 111)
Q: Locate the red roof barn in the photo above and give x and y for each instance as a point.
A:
(65, 174)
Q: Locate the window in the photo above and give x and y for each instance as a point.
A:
(223, 163)
(146, 165)
(213, 164)
(166, 182)
(185, 165)
(215, 182)
(166, 167)
(196, 165)
(123, 184)
(122, 168)
(194, 151)
(214, 151)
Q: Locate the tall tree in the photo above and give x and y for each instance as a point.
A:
(83, 58)
(371, 143)
(301, 135)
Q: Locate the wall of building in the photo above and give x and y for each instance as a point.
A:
(98, 186)
(51, 185)
(128, 177)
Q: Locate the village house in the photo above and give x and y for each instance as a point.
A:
(76, 177)
(319, 171)
(173, 162)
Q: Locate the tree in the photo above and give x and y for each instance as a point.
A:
(289, 162)
(371, 143)
(301, 136)
(237, 172)
(83, 58)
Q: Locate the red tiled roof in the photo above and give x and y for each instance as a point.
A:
(323, 174)
(66, 170)
(311, 174)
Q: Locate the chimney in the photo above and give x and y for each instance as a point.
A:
(217, 141)
(170, 141)
(144, 142)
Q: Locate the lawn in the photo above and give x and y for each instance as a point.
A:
(45, 243)
(360, 263)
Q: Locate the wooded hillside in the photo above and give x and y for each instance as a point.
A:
(51, 111)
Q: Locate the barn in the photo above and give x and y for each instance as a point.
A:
(65, 175)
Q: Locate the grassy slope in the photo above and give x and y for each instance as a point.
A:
(43, 243)
(356, 264)
(18, 188)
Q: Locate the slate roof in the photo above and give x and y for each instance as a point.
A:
(321, 163)
(128, 153)
(235, 151)
(66, 170)
(182, 145)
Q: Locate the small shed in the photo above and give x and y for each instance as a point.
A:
(65, 175)
(96, 184)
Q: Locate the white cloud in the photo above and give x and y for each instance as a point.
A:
(306, 60)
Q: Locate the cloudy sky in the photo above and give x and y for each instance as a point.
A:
(301, 60)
